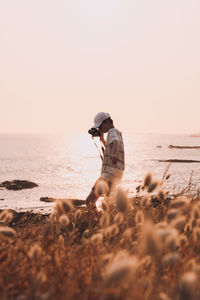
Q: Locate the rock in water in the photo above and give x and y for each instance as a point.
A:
(16, 185)
(46, 199)
(76, 202)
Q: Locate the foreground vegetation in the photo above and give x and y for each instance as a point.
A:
(142, 248)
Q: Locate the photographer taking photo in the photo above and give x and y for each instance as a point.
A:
(113, 155)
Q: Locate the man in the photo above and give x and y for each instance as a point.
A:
(113, 159)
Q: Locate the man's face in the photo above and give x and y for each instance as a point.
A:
(104, 127)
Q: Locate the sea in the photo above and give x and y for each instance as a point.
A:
(66, 166)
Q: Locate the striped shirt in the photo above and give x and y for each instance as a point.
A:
(108, 168)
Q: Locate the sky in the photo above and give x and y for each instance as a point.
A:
(61, 62)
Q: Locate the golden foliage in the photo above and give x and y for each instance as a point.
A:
(131, 248)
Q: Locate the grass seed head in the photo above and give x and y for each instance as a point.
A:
(6, 216)
(138, 188)
(119, 218)
(147, 180)
(195, 213)
(105, 220)
(104, 206)
(111, 231)
(182, 240)
(190, 265)
(121, 200)
(181, 202)
(86, 233)
(179, 223)
(146, 262)
(171, 240)
(193, 222)
(35, 252)
(163, 296)
(197, 270)
(187, 286)
(114, 230)
(196, 234)
(78, 215)
(59, 208)
(152, 187)
(172, 213)
(107, 258)
(7, 233)
(198, 223)
(161, 196)
(170, 259)
(161, 225)
(107, 232)
(67, 205)
(101, 188)
(188, 229)
(120, 268)
(128, 233)
(53, 217)
(168, 176)
(150, 241)
(139, 217)
(163, 233)
(64, 220)
(96, 238)
(61, 239)
(144, 202)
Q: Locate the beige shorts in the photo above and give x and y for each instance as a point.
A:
(111, 182)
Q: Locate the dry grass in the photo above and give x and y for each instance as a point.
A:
(132, 249)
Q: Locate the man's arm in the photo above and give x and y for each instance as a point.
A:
(102, 138)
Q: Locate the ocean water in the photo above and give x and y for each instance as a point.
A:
(67, 166)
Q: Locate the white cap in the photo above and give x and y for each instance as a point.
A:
(99, 118)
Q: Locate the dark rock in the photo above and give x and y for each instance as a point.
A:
(179, 160)
(183, 147)
(16, 185)
(76, 202)
(46, 199)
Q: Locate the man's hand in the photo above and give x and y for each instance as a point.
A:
(114, 160)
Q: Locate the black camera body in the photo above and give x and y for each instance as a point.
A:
(94, 132)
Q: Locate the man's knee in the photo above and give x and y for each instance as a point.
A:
(102, 187)
(91, 198)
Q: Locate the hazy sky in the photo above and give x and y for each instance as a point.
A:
(63, 61)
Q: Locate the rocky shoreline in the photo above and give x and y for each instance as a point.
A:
(183, 147)
(16, 185)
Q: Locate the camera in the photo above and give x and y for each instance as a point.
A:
(94, 132)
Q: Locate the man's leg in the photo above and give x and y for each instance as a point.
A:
(106, 185)
(94, 195)
(112, 183)
(91, 198)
